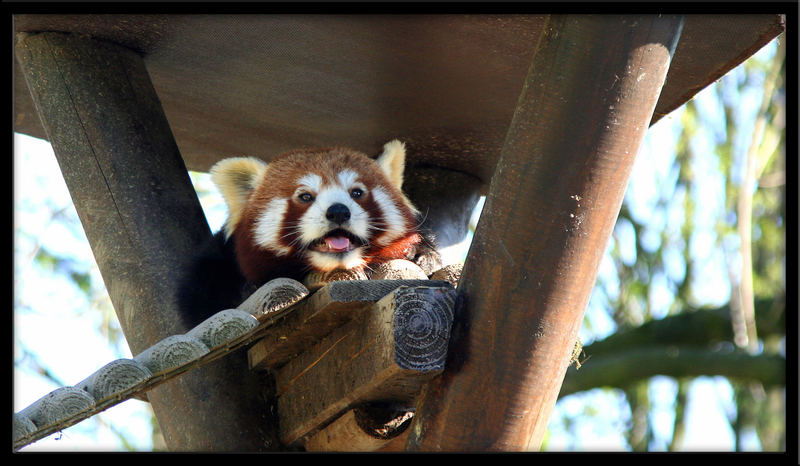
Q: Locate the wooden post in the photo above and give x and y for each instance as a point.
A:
(552, 204)
(143, 220)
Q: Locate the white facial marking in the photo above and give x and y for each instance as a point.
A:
(267, 232)
(311, 181)
(347, 178)
(395, 223)
(314, 223)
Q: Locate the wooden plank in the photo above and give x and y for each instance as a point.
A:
(387, 355)
(318, 315)
(454, 115)
(552, 204)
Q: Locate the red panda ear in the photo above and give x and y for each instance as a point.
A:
(393, 161)
(236, 178)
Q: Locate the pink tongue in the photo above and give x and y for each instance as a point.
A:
(337, 243)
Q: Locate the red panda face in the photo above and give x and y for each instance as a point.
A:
(322, 210)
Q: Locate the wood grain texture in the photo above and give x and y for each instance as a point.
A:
(551, 206)
(143, 221)
(398, 269)
(347, 434)
(315, 317)
(273, 297)
(57, 405)
(114, 378)
(171, 352)
(263, 84)
(22, 426)
(223, 327)
(387, 355)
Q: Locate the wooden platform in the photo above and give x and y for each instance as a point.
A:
(446, 84)
(353, 355)
(352, 345)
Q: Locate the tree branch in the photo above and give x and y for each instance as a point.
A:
(680, 346)
(700, 327)
(625, 368)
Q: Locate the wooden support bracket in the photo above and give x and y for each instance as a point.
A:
(385, 353)
(318, 315)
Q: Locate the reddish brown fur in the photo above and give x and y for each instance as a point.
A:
(259, 265)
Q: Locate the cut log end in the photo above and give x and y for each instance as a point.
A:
(114, 378)
(316, 280)
(22, 426)
(385, 355)
(449, 273)
(171, 352)
(273, 297)
(422, 321)
(398, 269)
(223, 327)
(58, 405)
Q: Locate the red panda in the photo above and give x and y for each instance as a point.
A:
(307, 210)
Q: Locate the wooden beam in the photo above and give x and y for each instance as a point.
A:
(317, 316)
(143, 220)
(386, 356)
(349, 433)
(551, 207)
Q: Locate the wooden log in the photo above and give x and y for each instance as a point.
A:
(123, 379)
(171, 352)
(316, 280)
(449, 273)
(223, 327)
(330, 307)
(386, 356)
(398, 269)
(551, 206)
(176, 355)
(57, 405)
(349, 433)
(272, 297)
(143, 221)
(22, 426)
(114, 378)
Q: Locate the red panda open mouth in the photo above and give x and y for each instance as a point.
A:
(338, 241)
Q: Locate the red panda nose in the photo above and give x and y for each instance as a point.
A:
(338, 213)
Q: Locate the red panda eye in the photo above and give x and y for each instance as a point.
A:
(305, 197)
(356, 193)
